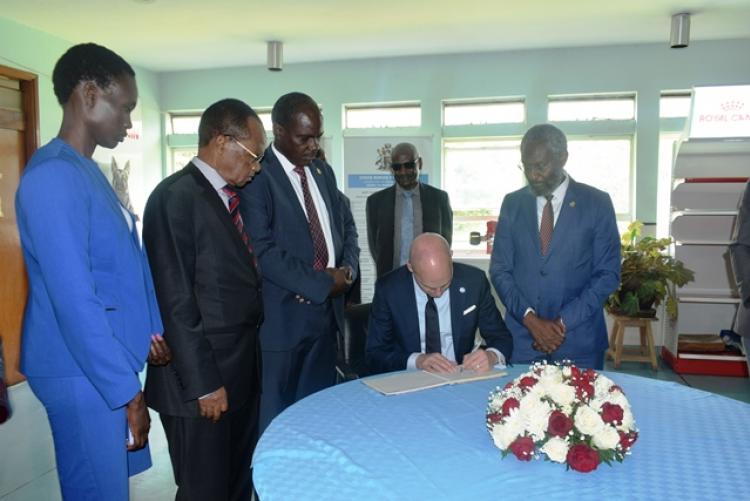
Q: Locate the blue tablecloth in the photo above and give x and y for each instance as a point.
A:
(352, 443)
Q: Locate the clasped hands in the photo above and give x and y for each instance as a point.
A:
(342, 279)
(548, 334)
(477, 361)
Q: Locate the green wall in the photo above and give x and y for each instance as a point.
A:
(37, 52)
(645, 69)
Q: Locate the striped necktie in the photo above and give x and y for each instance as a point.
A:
(545, 229)
(234, 213)
(320, 249)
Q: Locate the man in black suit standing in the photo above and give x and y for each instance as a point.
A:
(209, 295)
(396, 215)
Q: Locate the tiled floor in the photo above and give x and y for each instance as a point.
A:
(28, 472)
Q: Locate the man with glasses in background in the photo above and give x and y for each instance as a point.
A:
(208, 289)
(556, 258)
(396, 215)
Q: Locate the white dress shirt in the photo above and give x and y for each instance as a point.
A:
(320, 205)
(214, 178)
(558, 195)
(443, 304)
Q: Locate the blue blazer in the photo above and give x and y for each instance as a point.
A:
(280, 237)
(393, 333)
(574, 279)
(91, 308)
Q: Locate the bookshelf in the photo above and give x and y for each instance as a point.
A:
(708, 178)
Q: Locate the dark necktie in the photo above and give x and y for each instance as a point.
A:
(320, 250)
(431, 327)
(545, 229)
(234, 213)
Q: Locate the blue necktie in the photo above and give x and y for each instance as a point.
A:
(407, 227)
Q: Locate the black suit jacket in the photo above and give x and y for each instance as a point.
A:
(437, 217)
(393, 332)
(209, 296)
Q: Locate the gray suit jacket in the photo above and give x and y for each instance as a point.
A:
(739, 251)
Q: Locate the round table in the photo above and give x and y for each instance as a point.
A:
(349, 442)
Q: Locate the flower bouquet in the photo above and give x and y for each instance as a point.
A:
(569, 415)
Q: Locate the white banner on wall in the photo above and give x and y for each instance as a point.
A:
(367, 169)
(722, 111)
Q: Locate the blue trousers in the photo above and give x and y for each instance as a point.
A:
(589, 361)
(93, 462)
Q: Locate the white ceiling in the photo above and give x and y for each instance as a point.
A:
(164, 35)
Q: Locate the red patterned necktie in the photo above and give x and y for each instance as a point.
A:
(320, 250)
(234, 213)
(545, 229)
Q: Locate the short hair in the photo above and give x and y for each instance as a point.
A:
(87, 62)
(226, 117)
(547, 134)
(288, 104)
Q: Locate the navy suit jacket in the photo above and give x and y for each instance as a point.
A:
(739, 252)
(91, 308)
(393, 333)
(574, 279)
(280, 236)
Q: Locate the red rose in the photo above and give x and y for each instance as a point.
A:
(584, 389)
(508, 386)
(575, 372)
(582, 458)
(615, 388)
(494, 417)
(628, 439)
(509, 404)
(559, 424)
(523, 448)
(527, 382)
(611, 413)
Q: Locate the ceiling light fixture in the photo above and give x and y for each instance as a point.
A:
(679, 37)
(275, 55)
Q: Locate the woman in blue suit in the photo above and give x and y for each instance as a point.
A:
(91, 320)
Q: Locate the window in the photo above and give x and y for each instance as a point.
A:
(382, 116)
(675, 104)
(589, 108)
(184, 124)
(181, 157)
(481, 113)
(477, 174)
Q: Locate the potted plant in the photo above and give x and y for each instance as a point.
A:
(648, 276)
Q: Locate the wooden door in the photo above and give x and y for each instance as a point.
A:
(18, 140)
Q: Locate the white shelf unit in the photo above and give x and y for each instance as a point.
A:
(705, 195)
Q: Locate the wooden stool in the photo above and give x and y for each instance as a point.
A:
(643, 353)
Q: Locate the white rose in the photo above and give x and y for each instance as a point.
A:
(535, 415)
(556, 449)
(606, 438)
(503, 436)
(587, 420)
(566, 372)
(602, 384)
(628, 422)
(514, 422)
(562, 394)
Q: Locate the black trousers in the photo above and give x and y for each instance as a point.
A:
(211, 461)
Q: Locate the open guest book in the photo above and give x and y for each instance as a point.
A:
(409, 381)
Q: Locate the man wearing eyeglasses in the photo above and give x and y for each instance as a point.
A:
(556, 258)
(208, 289)
(425, 315)
(307, 249)
(396, 215)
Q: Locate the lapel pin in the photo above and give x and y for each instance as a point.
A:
(461, 290)
(317, 169)
(573, 203)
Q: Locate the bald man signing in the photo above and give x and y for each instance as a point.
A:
(425, 315)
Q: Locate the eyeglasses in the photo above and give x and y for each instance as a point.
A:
(404, 165)
(539, 166)
(255, 158)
